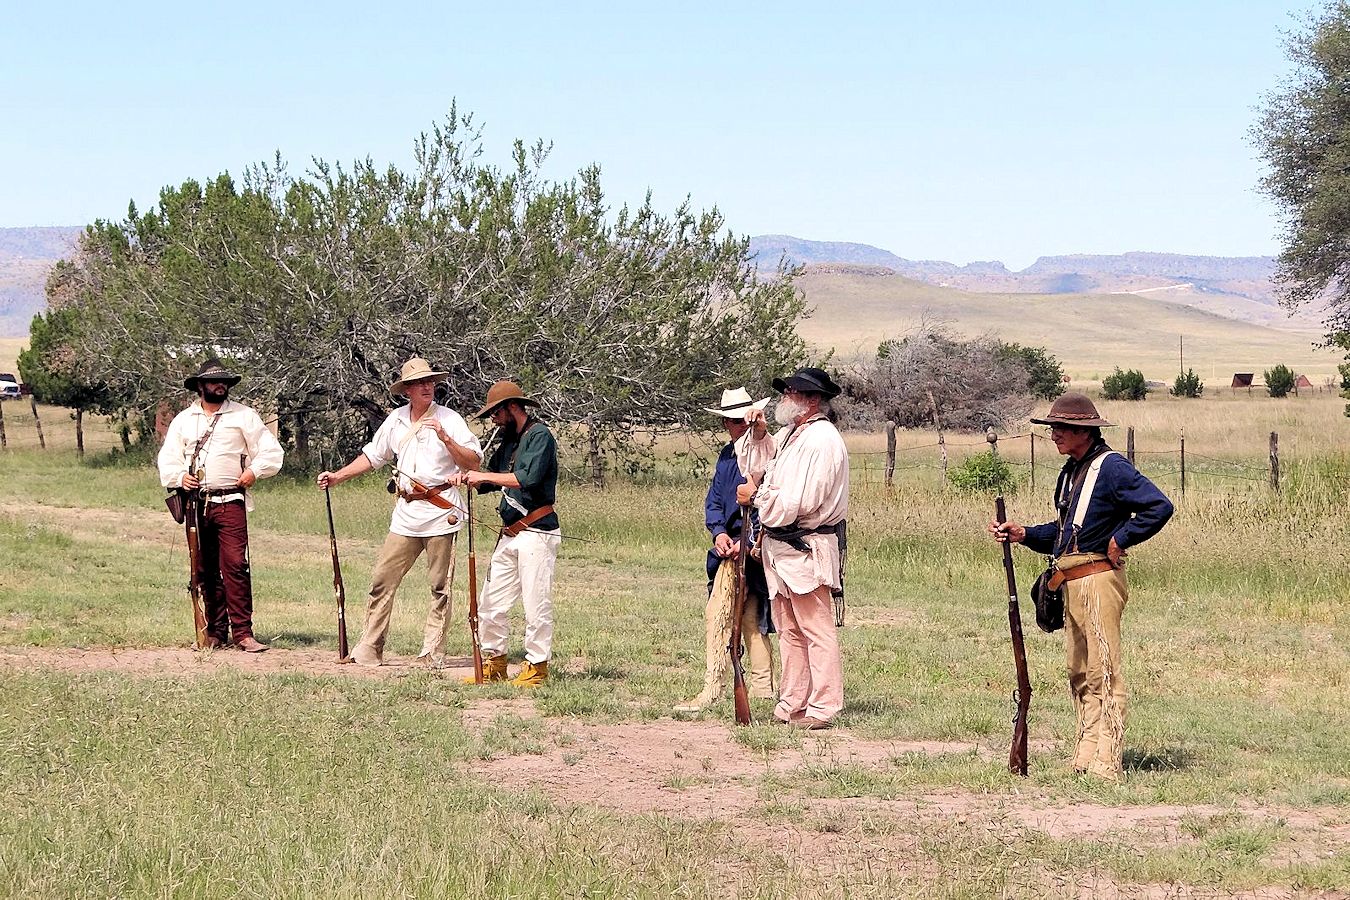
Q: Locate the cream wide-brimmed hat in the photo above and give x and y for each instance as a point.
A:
(735, 402)
(415, 369)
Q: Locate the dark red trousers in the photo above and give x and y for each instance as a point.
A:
(223, 572)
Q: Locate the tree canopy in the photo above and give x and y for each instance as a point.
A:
(317, 288)
(1304, 134)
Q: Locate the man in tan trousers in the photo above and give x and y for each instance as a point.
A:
(1105, 506)
(431, 446)
(798, 480)
(722, 517)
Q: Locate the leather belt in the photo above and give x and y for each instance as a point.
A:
(531, 517)
(1076, 572)
(423, 495)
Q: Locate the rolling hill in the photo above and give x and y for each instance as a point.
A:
(854, 307)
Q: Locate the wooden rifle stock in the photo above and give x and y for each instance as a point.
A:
(1017, 752)
(473, 590)
(739, 690)
(339, 591)
(192, 502)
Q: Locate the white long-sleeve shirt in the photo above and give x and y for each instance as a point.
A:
(423, 456)
(803, 479)
(240, 440)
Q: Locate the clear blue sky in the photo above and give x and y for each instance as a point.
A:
(951, 130)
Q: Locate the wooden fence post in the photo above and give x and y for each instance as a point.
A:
(3, 443)
(1183, 463)
(992, 437)
(1129, 444)
(42, 441)
(1275, 460)
(1031, 437)
(890, 452)
(79, 432)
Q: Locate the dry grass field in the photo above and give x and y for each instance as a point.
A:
(1090, 334)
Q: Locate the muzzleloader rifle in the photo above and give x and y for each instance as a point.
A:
(339, 591)
(734, 646)
(1017, 752)
(192, 522)
(469, 491)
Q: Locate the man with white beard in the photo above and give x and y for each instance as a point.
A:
(798, 480)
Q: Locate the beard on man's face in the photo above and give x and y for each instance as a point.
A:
(214, 392)
(787, 410)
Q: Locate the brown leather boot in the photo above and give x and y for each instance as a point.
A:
(250, 644)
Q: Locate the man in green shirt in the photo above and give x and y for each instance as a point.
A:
(525, 469)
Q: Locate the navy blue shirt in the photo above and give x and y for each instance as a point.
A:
(1125, 505)
(721, 512)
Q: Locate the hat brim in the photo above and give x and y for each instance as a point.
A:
(805, 385)
(1081, 423)
(192, 381)
(488, 410)
(737, 412)
(399, 387)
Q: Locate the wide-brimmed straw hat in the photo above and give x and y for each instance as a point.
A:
(211, 370)
(501, 392)
(809, 380)
(735, 403)
(415, 369)
(1074, 409)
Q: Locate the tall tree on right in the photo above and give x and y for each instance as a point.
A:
(1304, 134)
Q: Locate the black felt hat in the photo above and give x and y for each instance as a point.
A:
(808, 380)
(211, 370)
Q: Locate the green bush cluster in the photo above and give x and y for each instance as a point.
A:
(982, 473)
(1188, 385)
(1279, 380)
(1127, 385)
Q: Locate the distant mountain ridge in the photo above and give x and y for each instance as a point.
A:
(1240, 287)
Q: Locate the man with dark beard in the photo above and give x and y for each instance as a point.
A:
(525, 469)
(798, 480)
(220, 448)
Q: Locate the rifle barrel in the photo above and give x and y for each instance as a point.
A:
(1017, 751)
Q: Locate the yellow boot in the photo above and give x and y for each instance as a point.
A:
(494, 669)
(531, 675)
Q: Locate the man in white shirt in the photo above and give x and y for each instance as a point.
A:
(798, 481)
(220, 448)
(430, 446)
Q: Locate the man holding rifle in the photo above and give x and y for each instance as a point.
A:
(798, 481)
(524, 467)
(218, 449)
(1105, 507)
(430, 447)
(722, 517)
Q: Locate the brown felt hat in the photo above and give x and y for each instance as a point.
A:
(1073, 409)
(415, 369)
(501, 392)
(211, 370)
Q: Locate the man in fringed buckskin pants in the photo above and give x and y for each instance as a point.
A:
(1105, 507)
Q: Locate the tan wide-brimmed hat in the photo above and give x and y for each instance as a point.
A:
(735, 403)
(501, 392)
(1074, 409)
(415, 369)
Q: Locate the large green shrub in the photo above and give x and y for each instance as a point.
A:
(1188, 385)
(1279, 380)
(1127, 385)
(983, 473)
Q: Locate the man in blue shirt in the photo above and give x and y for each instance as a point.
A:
(1105, 507)
(722, 517)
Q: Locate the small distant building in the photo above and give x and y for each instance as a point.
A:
(1243, 380)
(1303, 382)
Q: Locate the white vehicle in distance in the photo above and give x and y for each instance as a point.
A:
(9, 390)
